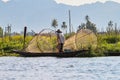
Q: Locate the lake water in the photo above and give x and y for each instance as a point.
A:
(51, 68)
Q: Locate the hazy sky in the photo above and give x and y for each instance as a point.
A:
(82, 2)
(20, 13)
(76, 2)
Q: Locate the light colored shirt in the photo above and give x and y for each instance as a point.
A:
(61, 38)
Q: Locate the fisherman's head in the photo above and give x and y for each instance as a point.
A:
(59, 31)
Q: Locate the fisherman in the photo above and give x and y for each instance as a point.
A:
(60, 39)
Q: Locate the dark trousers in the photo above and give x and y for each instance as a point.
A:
(60, 47)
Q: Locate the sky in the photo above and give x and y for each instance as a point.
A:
(20, 13)
(82, 2)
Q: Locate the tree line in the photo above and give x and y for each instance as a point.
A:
(111, 28)
(87, 25)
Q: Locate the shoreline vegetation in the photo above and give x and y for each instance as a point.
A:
(10, 43)
(108, 45)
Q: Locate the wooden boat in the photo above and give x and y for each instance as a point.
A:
(52, 54)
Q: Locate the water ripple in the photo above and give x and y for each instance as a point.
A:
(49, 68)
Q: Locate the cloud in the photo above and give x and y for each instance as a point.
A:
(5, 1)
(82, 2)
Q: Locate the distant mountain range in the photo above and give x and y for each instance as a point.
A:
(39, 14)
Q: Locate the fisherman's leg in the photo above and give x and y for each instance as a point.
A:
(61, 47)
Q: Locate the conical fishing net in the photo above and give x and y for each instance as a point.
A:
(33, 46)
(70, 43)
(85, 38)
(45, 41)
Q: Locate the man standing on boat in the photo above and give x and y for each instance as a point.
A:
(60, 39)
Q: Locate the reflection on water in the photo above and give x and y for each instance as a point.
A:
(51, 68)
